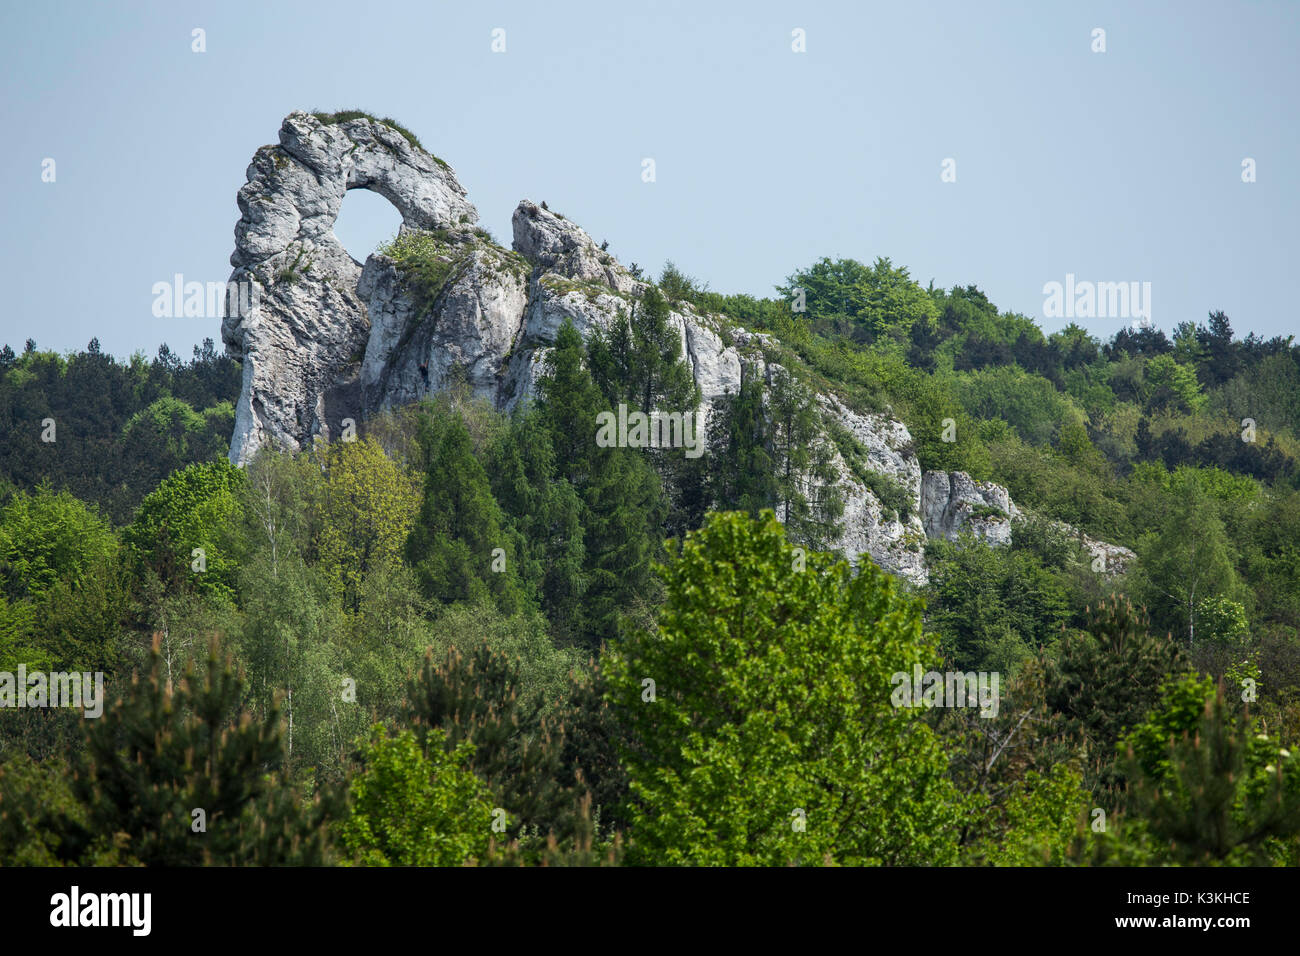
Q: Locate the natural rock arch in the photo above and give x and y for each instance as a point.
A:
(303, 341)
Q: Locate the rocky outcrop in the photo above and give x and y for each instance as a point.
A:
(331, 339)
(576, 280)
(953, 502)
(464, 334)
(582, 284)
(302, 345)
(873, 450)
(1111, 560)
(558, 246)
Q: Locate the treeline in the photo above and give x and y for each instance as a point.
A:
(874, 334)
(475, 637)
(109, 431)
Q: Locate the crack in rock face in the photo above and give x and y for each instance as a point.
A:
(952, 502)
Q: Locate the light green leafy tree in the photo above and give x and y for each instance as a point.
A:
(1188, 560)
(368, 508)
(1222, 620)
(1167, 383)
(413, 807)
(1041, 816)
(61, 591)
(864, 302)
(771, 738)
(191, 511)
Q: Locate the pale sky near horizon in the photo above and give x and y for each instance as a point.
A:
(1117, 166)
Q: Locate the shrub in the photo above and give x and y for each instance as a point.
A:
(426, 261)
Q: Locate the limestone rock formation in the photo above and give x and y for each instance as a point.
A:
(330, 339)
(952, 502)
(579, 282)
(575, 280)
(1108, 559)
(559, 246)
(302, 343)
(893, 537)
(466, 332)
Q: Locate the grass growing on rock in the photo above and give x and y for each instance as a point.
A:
(894, 497)
(427, 260)
(343, 116)
(562, 286)
(988, 513)
(293, 271)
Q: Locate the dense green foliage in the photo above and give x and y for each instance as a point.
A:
(760, 717)
(416, 808)
(119, 427)
(472, 637)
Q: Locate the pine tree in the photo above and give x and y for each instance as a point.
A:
(1222, 359)
(592, 742)
(639, 359)
(546, 514)
(623, 511)
(638, 362)
(1223, 794)
(460, 527)
(477, 697)
(569, 402)
(809, 502)
(742, 477)
(1106, 679)
(160, 754)
(1215, 804)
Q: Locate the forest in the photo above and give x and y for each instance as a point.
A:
(471, 637)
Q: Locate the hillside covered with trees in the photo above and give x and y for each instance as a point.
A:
(468, 636)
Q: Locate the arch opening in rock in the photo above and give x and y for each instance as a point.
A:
(365, 221)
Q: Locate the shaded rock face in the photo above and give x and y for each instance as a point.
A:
(952, 502)
(464, 336)
(302, 344)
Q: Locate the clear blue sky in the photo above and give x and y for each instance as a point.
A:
(1117, 166)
